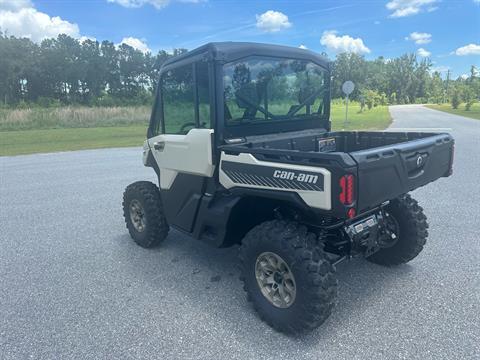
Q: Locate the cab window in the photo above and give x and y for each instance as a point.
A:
(178, 100)
(262, 89)
(184, 98)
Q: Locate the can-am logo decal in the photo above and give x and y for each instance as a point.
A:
(290, 175)
(272, 177)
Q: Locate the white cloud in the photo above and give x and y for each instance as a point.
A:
(139, 3)
(470, 49)
(30, 23)
(423, 53)
(15, 5)
(440, 69)
(158, 4)
(345, 43)
(419, 38)
(465, 76)
(136, 44)
(401, 8)
(303, 47)
(85, 38)
(272, 21)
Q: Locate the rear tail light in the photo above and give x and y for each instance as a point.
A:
(347, 194)
(347, 189)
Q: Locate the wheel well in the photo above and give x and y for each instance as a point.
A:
(248, 213)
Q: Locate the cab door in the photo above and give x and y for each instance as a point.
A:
(183, 143)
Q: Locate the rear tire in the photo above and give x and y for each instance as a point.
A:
(143, 213)
(412, 233)
(311, 284)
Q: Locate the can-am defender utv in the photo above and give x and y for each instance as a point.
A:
(241, 142)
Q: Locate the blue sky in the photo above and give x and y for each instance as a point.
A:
(446, 31)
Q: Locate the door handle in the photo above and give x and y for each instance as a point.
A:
(159, 145)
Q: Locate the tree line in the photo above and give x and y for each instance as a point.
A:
(402, 80)
(68, 71)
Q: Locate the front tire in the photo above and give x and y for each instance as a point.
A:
(292, 258)
(143, 213)
(412, 233)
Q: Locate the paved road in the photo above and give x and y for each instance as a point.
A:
(73, 285)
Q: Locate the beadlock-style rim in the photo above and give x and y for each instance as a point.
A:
(275, 280)
(137, 216)
(392, 230)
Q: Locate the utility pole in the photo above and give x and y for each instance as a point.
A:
(446, 88)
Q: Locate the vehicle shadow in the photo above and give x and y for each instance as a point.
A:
(199, 271)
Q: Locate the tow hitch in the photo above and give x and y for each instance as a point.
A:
(372, 233)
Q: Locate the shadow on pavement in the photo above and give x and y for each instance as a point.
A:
(195, 272)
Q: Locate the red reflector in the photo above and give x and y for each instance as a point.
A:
(347, 188)
(351, 213)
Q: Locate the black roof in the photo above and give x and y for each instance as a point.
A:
(230, 51)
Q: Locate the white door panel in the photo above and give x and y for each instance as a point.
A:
(190, 154)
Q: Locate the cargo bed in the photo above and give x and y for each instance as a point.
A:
(385, 164)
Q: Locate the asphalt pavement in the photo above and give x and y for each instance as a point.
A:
(74, 285)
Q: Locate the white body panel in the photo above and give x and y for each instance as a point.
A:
(314, 198)
(190, 154)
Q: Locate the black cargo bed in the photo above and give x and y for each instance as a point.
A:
(386, 164)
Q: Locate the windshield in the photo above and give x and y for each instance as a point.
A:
(260, 89)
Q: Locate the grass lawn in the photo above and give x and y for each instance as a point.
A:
(16, 142)
(473, 113)
(51, 140)
(378, 118)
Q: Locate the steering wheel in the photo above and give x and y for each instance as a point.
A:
(184, 126)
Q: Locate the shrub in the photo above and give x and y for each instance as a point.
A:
(382, 98)
(469, 98)
(393, 98)
(373, 98)
(455, 100)
(47, 102)
(469, 104)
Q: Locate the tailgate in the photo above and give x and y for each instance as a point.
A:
(389, 171)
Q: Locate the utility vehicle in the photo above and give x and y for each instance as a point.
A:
(241, 141)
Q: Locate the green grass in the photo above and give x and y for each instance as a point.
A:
(105, 131)
(51, 140)
(72, 117)
(473, 113)
(377, 118)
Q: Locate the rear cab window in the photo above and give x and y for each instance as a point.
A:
(263, 89)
